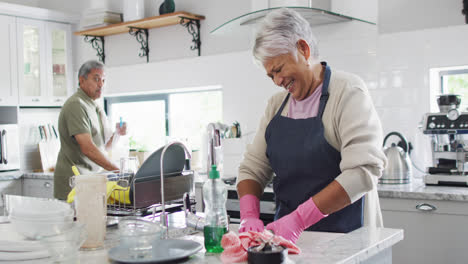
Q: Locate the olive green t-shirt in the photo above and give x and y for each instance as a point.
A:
(79, 115)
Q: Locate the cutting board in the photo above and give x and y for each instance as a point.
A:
(49, 147)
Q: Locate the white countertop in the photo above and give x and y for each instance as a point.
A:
(416, 189)
(317, 247)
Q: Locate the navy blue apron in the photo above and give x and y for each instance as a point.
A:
(304, 164)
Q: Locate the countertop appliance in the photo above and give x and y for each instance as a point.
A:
(447, 130)
(398, 168)
(9, 147)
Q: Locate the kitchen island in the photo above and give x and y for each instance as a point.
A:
(364, 245)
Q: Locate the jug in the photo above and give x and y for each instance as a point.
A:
(91, 207)
(398, 168)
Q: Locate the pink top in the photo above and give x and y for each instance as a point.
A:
(306, 108)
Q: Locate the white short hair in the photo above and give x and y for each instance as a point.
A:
(279, 32)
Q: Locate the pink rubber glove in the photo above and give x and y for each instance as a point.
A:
(250, 214)
(291, 226)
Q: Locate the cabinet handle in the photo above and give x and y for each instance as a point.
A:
(426, 207)
(47, 184)
(35, 100)
(58, 100)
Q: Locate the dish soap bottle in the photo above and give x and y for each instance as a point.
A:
(216, 221)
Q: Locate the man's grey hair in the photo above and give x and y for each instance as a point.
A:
(88, 66)
(279, 32)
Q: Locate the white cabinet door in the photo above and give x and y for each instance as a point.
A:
(44, 62)
(32, 78)
(8, 63)
(58, 43)
(38, 188)
(434, 233)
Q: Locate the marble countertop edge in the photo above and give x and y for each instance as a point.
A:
(376, 246)
(416, 189)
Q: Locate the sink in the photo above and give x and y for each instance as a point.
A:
(177, 226)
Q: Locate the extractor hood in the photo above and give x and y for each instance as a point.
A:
(315, 16)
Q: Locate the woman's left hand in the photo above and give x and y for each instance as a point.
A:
(288, 226)
(292, 225)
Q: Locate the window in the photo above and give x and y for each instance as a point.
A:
(452, 80)
(155, 119)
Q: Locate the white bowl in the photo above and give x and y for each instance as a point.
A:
(137, 234)
(40, 208)
(43, 217)
(33, 228)
(63, 247)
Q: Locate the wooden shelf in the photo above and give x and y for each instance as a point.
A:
(145, 23)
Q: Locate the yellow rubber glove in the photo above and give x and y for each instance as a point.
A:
(114, 194)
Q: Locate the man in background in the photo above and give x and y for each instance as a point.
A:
(84, 132)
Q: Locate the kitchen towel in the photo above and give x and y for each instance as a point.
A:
(235, 246)
(106, 128)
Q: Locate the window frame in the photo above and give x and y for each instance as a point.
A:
(444, 73)
(436, 86)
(155, 96)
(108, 101)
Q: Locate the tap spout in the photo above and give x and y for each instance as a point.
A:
(163, 218)
(214, 132)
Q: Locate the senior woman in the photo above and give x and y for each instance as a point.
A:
(320, 136)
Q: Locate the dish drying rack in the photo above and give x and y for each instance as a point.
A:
(140, 197)
(143, 191)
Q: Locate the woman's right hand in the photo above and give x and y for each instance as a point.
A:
(250, 214)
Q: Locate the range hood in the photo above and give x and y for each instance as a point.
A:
(315, 16)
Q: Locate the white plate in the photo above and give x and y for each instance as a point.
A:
(163, 250)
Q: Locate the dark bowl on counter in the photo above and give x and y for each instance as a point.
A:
(269, 254)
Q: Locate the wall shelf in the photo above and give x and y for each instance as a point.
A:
(188, 20)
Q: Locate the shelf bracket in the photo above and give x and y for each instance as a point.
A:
(193, 28)
(97, 42)
(141, 35)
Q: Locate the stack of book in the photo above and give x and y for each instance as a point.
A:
(93, 18)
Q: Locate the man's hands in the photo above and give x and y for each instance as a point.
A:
(121, 130)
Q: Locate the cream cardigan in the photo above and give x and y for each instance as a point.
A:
(351, 126)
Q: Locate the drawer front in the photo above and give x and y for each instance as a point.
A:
(38, 188)
(424, 206)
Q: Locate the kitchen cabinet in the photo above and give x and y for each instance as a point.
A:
(44, 62)
(8, 63)
(435, 231)
(43, 188)
(12, 187)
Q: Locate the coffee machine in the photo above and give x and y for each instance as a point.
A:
(447, 129)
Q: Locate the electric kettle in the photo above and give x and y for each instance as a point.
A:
(398, 168)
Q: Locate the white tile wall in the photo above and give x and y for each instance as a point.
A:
(396, 69)
(29, 120)
(394, 66)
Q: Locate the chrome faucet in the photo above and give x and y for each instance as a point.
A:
(163, 218)
(214, 131)
(191, 219)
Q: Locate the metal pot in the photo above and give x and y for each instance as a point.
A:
(398, 168)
